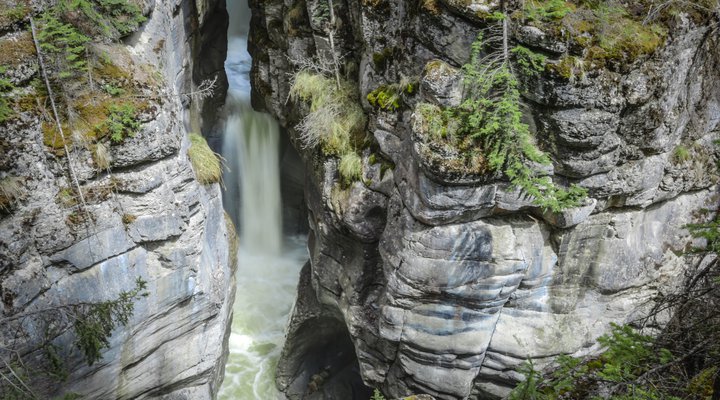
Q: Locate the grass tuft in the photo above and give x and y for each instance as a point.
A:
(206, 163)
(350, 167)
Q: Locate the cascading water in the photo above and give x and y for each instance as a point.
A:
(268, 264)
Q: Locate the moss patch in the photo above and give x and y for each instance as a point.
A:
(17, 49)
(12, 12)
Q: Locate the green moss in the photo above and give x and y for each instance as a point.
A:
(206, 163)
(6, 89)
(569, 67)
(547, 10)
(530, 62)
(605, 31)
(17, 49)
(12, 14)
(382, 59)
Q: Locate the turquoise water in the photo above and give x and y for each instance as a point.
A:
(265, 292)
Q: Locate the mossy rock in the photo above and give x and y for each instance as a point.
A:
(17, 49)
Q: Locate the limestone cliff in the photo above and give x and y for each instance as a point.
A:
(146, 215)
(446, 280)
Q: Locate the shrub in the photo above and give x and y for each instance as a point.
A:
(206, 163)
(530, 63)
(112, 19)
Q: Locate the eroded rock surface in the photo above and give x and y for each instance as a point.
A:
(448, 282)
(146, 217)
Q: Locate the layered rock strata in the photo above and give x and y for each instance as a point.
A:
(447, 283)
(146, 217)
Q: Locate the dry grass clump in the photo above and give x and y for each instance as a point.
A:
(101, 156)
(206, 163)
(336, 121)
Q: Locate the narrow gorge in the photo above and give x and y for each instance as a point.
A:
(353, 199)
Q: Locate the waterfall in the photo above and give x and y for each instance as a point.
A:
(250, 147)
(268, 263)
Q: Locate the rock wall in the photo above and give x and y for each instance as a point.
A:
(445, 283)
(147, 216)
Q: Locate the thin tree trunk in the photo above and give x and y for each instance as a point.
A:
(331, 36)
(73, 176)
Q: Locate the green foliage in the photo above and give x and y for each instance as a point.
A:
(6, 87)
(547, 10)
(121, 122)
(710, 232)
(65, 43)
(113, 90)
(9, 15)
(350, 167)
(605, 32)
(628, 354)
(681, 154)
(107, 18)
(95, 324)
(390, 97)
(491, 117)
(529, 62)
(377, 395)
(206, 163)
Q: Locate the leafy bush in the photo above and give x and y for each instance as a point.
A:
(206, 163)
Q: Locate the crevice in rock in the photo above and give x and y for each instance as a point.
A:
(324, 359)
